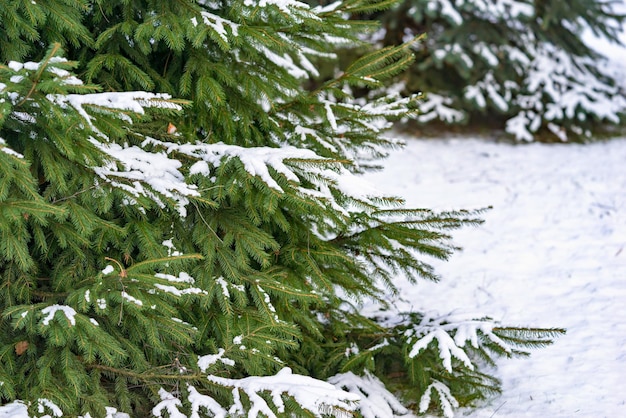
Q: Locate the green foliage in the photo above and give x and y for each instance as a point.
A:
(164, 255)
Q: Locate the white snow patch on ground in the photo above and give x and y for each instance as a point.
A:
(551, 253)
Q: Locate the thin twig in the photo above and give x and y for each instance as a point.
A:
(205, 221)
(497, 409)
(74, 195)
(122, 275)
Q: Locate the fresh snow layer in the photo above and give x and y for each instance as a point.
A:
(551, 253)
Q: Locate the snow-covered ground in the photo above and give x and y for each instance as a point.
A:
(551, 253)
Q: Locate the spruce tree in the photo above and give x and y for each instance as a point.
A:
(183, 231)
(520, 65)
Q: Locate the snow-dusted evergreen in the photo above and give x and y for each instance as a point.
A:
(183, 232)
(521, 63)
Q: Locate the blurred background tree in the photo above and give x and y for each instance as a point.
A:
(523, 66)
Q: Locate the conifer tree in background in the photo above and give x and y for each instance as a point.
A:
(183, 232)
(523, 65)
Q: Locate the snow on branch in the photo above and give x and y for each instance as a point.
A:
(65, 76)
(501, 10)
(499, 93)
(447, 402)
(257, 162)
(205, 362)
(284, 61)
(145, 168)
(218, 24)
(131, 101)
(170, 404)
(283, 5)
(505, 9)
(376, 400)
(436, 106)
(318, 397)
(150, 170)
(46, 404)
(447, 10)
(452, 332)
(199, 401)
(5, 148)
(560, 87)
(50, 311)
(315, 396)
(18, 409)
(162, 173)
(452, 52)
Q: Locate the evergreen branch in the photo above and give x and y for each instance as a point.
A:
(149, 377)
(158, 262)
(33, 207)
(551, 332)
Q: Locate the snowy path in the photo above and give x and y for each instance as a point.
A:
(552, 253)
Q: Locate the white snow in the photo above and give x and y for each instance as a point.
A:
(437, 106)
(102, 303)
(183, 277)
(448, 403)
(551, 253)
(8, 150)
(284, 5)
(376, 401)
(218, 24)
(316, 396)
(285, 62)
(131, 299)
(133, 101)
(554, 90)
(198, 401)
(47, 405)
(614, 52)
(169, 403)
(108, 269)
(447, 348)
(447, 10)
(69, 312)
(204, 362)
(179, 292)
(16, 409)
(224, 285)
